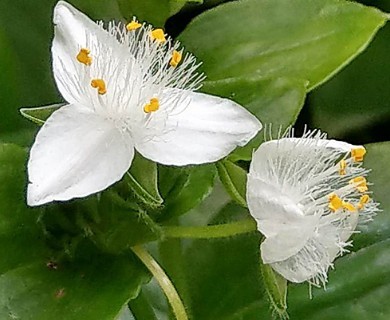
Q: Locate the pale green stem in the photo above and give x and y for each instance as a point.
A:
(209, 232)
(164, 282)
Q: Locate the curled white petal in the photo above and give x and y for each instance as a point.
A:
(203, 129)
(76, 153)
(290, 184)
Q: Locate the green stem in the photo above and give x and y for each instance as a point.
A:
(164, 282)
(209, 232)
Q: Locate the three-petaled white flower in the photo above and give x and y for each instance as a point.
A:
(307, 196)
(127, 86)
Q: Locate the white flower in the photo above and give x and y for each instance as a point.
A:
(127, 86)
(307, 196)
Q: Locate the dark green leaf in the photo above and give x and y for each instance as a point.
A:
(9, 89)
(359, 97)
(142, 178)
(184, 188)
(273, 101)
(234, 179)
(35, 283)
(155, 12)
(298, 39)
(358, 289)
(276, 288)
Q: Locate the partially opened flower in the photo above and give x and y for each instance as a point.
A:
(307, 196)
(127, 86)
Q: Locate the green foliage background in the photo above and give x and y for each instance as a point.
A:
(218, 279)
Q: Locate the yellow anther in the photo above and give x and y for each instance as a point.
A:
(358, 154)
(349, 206)
(152, 106)
(176, 58)
(360, 183)
(83, 57)
(335, 202)
(100, 85)
(158, 35)
(133, 25)
(363, 200)
(343, 167)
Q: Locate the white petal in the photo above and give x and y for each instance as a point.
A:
(279, 219)
(267, 202)
(73, 31)
(207, 129)
(288, 242)
(76, 153)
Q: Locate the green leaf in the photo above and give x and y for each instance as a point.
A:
(142, 178)
(358, 98)
(273, 101)
(141, 308)
(184, 189)
(218, 278)
(120, 227)
(177, 5)
(234, 179)
(35, 283)
(358, 288)
(8, 85)
(39, 115)
(35, 291)
(276, 288)
(281, 38)
(155, 12)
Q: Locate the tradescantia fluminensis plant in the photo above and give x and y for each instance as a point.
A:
(152, 191)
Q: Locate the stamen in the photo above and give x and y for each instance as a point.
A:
(83, 57)
(335, 203)
(158, 35)
(343, 166)
(358, 154)
(152, 106)
(100, 85)
(133, 25)
(349, 206)
(363, 200)
(360, 183)
(176, 58)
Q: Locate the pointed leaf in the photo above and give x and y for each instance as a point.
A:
(142, 178)
(234, 179)
(298, 39)
(185, 188)
(39, 115)
(276, 288)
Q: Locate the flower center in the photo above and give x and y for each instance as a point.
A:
(100, 85)
(84, 57)
(358, 154)
(158, 35)
(152, 106)
(176, 58)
